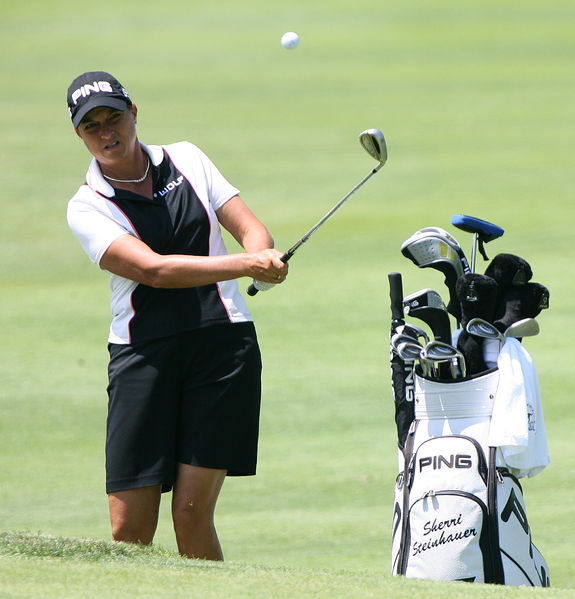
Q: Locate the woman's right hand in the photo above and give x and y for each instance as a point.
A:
(268, 267)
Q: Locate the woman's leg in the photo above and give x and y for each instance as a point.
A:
(194, 500)
(134, 514)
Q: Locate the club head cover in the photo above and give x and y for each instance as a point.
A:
(433, 247)
(472, 349)
(453, 306)
(477, 297)
(521, 301)
(508, 270)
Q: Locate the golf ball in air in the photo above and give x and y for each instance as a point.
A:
(290, 40)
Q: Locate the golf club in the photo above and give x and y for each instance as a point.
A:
(435, 248)
(483, 232)
(409, 351)
(428, 306)
(401, 337)
(398, 323)
(436, 351)
(493, 338)
(423, 298)
(414, 331)
(481, 328)
(373, 142)
(526, 327)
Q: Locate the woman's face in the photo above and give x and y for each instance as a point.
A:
(109, 134)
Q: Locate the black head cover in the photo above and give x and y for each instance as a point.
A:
(519, 302)
(472, 349)
(509, 270)
(477, 296)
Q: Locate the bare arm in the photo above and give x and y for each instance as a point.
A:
(131, 258)
(236, 217)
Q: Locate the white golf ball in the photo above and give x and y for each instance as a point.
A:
(290, 40)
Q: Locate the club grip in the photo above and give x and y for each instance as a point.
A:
(396, 296)
(252, 289)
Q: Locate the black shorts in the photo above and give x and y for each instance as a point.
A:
(192, 398)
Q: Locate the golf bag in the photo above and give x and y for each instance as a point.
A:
(459, 512)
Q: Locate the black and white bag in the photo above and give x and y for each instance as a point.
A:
(458, 515)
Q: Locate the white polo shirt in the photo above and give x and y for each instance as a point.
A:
(181, 219)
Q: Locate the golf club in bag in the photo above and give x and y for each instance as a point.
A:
(373, 142)
(482, 231)
(459, 512)
(433, 247)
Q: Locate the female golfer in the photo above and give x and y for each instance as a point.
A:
(184, 370)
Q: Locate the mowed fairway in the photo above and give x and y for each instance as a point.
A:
(476, 103)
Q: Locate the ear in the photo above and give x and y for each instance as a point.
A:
(77, 132)
(134, 110)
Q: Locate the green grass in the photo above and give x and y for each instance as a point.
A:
(475, 100)
(81, 569)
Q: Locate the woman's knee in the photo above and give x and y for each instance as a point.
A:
(196, 493)
(193, 512)
(134, 515)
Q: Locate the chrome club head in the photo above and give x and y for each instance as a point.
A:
(484, 329)
(414, 331)
(409, 350)
(436, 351)
(527, 327)
(374, 144)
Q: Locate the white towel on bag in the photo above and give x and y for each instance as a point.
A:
(517, 425)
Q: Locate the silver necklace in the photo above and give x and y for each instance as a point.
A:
(130, 180)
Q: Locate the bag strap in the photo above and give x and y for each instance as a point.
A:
(494, 572)
(407, 465)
